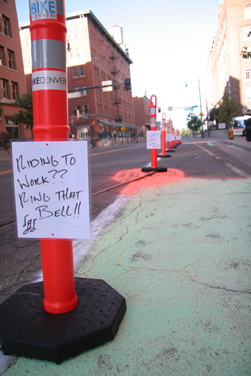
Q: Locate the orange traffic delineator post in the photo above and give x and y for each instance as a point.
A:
(68, 325)
(48, 38)
(178, 137)
(153, 122)
(169, 137)
(173, 144)
(163, 138)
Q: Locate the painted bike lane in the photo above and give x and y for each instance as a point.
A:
(179, 252)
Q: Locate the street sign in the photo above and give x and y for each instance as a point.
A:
(123, 129)
(107, 86)
(201, 114)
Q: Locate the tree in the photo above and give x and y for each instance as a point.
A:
(227, 109)
(25, 116)
(194, 122)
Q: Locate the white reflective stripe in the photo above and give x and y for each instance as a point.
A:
(152, 110)
(49, 80)
(48, 53)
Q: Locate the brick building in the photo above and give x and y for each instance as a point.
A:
(94, 55)
(226, 66)
(12, 77)
(142, 112)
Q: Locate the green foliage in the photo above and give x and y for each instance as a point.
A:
(245, 53)
(193, 122)
(25, 116)
(185, 132)
(228, 109)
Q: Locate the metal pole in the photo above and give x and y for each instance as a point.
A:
(202, 133)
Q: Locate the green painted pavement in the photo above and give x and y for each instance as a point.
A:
(180, 255)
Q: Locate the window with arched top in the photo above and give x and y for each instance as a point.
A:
(247, 11)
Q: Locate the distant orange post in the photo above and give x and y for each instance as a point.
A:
(163, 135)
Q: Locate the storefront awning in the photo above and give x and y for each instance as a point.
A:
(119, 124)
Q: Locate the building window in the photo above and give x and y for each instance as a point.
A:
(1, 55)
(247, 11)
(11, 59)
(100, 111)
(12, 127)
(6, 26)
(82, 70)
(96, 72)
(248, 74)
(75, 72)
(14, 90)
(248, 94)
(4, 84)
(246, 31)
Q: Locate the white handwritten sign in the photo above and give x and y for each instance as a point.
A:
(153, 140)
(51, 189)
(169, 137)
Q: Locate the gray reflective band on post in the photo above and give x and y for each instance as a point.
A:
(60, 7)
(48, 53)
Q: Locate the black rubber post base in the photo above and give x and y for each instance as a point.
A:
(26, 329)
(164, 156)
(170, 151)
(158, 169)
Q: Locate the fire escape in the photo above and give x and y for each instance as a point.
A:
(117, 102)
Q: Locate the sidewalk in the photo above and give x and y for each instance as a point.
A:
(240, 142)
(237, 141)
(179, 253)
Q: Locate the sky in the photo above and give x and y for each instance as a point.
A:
(168, 41)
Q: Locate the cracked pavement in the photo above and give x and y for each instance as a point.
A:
(180, 255)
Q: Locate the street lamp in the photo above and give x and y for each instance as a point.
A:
(201, 113)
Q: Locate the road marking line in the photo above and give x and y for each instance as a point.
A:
(112, 151)
(150, 164)
(227, 164)
(5, 172)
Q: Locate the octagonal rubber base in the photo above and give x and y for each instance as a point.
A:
(157, 169)
(26, 329)
(164, 156)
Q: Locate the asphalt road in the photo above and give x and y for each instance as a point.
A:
(20, 258)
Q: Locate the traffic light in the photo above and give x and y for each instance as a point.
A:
(159, 109)
(88, 131)
(127, 84)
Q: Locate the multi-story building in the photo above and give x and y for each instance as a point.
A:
(94, 55)
(142, 112)
(226, 65)
(12, 77)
